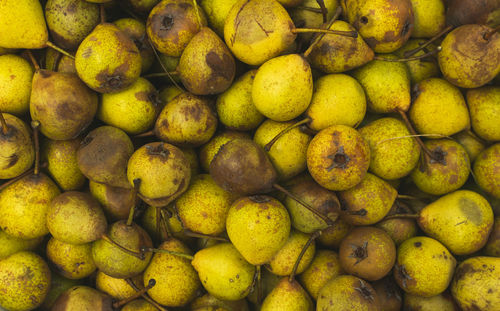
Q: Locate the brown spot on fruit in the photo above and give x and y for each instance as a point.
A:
(221, 66)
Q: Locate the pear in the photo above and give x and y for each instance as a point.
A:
(224, 273)
(324, 266)
(142, 6)
(468, 57)
(284, 260)
(73, 261)
(173, 223)
(492, 247)
(429, 18)
(420, 69)
(269, 231)
(208, 302)
(206, 66)
(268, 282)
(82, 298)
(192, 157)
(115, 201)
(163, 172)
(347, 292)
(287, 296)
(76, 218)
(57, 62)
(136, 30)
(368, 253)
(10, 245)
(424, 267)
(62, 103)
(282, 88)
(483, 12)
(22, 25)
(70, 21)
(139, 305)
(399, 229)
(471, 143)
(332, 236)
(385, 25)
(24, 206)
(24, 281)
(442, 302)
(335, 54)
(386, 85)
(17, 152)
(187, 120)
(203, 207)
(107, 60)
(474, 284)
(115, 287)
(172, 24)
(103, 155)
(306, 18)
(58, 285)
(216, 12)
(288, 153)
(16, 74)
(62, 164)
(209, 150)
(461, 220)
(132, 110)
(485, 168)
(389, 294)
(110, 256)
(438, 108)
(484, 110)
(176, 281)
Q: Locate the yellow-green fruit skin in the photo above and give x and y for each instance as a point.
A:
(210, 149)
(438, 108)
(203, 207)
(386, 84)
(347, 292)
(15, 84)
(22, 25)
(471, 143)
(24, 281)
(235, 107)
(324, 266)
(139, 305)
(312, 19)
(336, 99)
(133, 110)
(424, 266)
(283, 262)
(419, 69)
(117, 288)
(287, 296)
(392, 155)
(244, 35)
(73, 261)
(62, 165)
(24, 206)
(17, 152)
(492, 247)
(107, 60)
(208, 302)
(487, 170)
(475, 285)
(332, 236)
(177, 282)
(223, 272)
(429, 18)
(82, 298)
(442, 302)
(258, 227)
(136, 30)
(10, 245)
(64, 64)
(282, 88)
(288, 153)
(217, 11)
(484, 107)
(58, 284)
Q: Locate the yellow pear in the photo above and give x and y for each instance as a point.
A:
(325, 266)
(284, 260)
(287, 296)
(419, 69)
(485, 170)
(484, 110)
(347, 292)
(443, 302)
(16, 74)
(208, 302)
(217, 11)
(210, 149)
(73, 261)
(429, 18)
(10, 245)
(116, 287)
(471, 143)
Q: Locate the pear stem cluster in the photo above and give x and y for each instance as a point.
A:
(424, 45)
(144, 295)
(352, 34)
(318, 38)
(118, 304)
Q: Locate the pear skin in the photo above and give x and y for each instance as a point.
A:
(115, 201)
(443, 302)
(471, 143)
(484, 107)
(492, 247)
(284, 260)
(209, 150)
(324, 266)
(73, 261)
(136, 30)
(332, 236)
(287, 296)
(429, 18)
(486, 169)
(115, 287)
(420, 69)
(389, 294)
(16, 74)
(82, 298)
(10, 245)
(139, 305)
(347, 292)
(58, 285)
(208, 302)
(217, 11)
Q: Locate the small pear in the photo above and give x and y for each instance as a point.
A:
(139, 305)
(484, 107)
(284, 260)
(217, 11)
(306, 18)
(287, 296)
(471, 143)
(24, 281)
(115, 287)
(115, 201)
(485, 168)
(268, 233)
(82, 298)
(389, 294)
(282, 88)
(208, 302)
(136, 30)
(60, 63)
(347, 292)
(429, 18)
(16, 74)
(209, 150)
(224, 273)
(420, 69)
(325, 266)
(443, 302)
(17, 152)
(10, 245)
(332, 236)
(399, 229)
(73, 261)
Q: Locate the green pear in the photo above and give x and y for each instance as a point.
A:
(17, 152)
(269, 232)
(461, 220)
(10, 245)
(209, 150)
(347, 292)
(471, 143)
(115, 201)
(419, 69)
(136, 30)
(116, 287)
(24, 281)
(76, 217)
(24, 206)
(73, 261)
(16, 74)
(485, 168)
(282, 88)
(484, 110)
(217, 11)
(176, 280)
(287, 296)
(429, 18)
(82, 298)
(284, 260)
(324, 266)
(438, 108)
(107, 60)
(224, 273)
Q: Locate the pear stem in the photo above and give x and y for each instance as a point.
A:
(102, 12)
(15, 179)
(164, 251)
(145, 134)
(327, 220)
(55, 47)
(33, 60)
(423, 46)
(427, 152)
(162, 66)
(195, 5)
(406, 197)
(352, 34)
(409, 59)
(165, 223)
(35, 125)
(306, 8)
(313, 237)
(270, 144)
(144, 295)
(318, 38)
(5, 127)
(161, 74)
(118, 304)
(204, 236)
(397, 216)
(324, 10)
(488, 36)
(106, 238)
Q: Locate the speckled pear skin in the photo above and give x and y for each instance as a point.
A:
(208, 151)
(283, 262)
(10, 245)
(82, 298)
(115, 287)
(136, 30)
(429, 18)
(224, 273)
(16, 74)
(486, 168)
(115, 201)
(324, 266)
(216, 12)
(484, 111)
(207, 302)
(287, 296)
(347, 292)
(73, 261)
(17, 152)
(139, 305)
(419, 69)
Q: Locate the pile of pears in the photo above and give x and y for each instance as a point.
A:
(237, 155)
